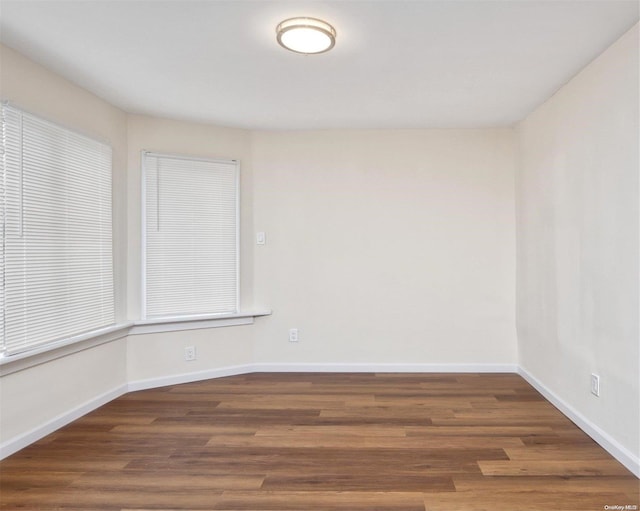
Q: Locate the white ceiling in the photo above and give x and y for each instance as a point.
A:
(396, 64)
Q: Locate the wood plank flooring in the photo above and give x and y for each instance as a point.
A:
(396, 442)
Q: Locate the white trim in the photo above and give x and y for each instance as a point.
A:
(374, 367)
(21, 441)
(143, 235)
(602, 438)
(177, 156)
(20, 361)
(148, 326)
(238, 233)
(318, 368)
(203, 317)
(176, 326)
(176, 379)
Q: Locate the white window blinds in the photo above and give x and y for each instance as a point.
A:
(191, 236)
(56, 264)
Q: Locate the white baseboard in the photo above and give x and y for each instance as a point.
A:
(619, 452)
(382, 368)
(23, 440)
(176, 379)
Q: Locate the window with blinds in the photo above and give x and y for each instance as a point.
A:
(190, 236)
(56, 261)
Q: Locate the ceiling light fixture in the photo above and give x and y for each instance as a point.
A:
(306, 35)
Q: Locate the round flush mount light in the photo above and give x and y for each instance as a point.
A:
(306, 35)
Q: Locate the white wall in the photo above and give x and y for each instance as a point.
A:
(48, 395)
(577, 257)
(161, 355)
(40, 394)
(386, 246)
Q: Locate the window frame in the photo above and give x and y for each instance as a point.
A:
(37, 350)
(144, 318)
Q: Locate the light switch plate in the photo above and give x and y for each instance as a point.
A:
(595, 384)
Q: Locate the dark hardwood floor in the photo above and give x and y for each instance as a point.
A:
(449, 442)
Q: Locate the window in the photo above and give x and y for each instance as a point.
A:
(190, 236)
(56, 262)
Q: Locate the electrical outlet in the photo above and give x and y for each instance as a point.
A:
(595, 384)
(190, 353)
(293, 335)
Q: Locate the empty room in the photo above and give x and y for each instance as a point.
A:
(320, 255)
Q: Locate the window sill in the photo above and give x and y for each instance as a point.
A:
(155, 325)
(20, 361)
(14, 363)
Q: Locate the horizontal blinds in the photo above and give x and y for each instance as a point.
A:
(57, 261)
(4, 117)
(190, 236)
